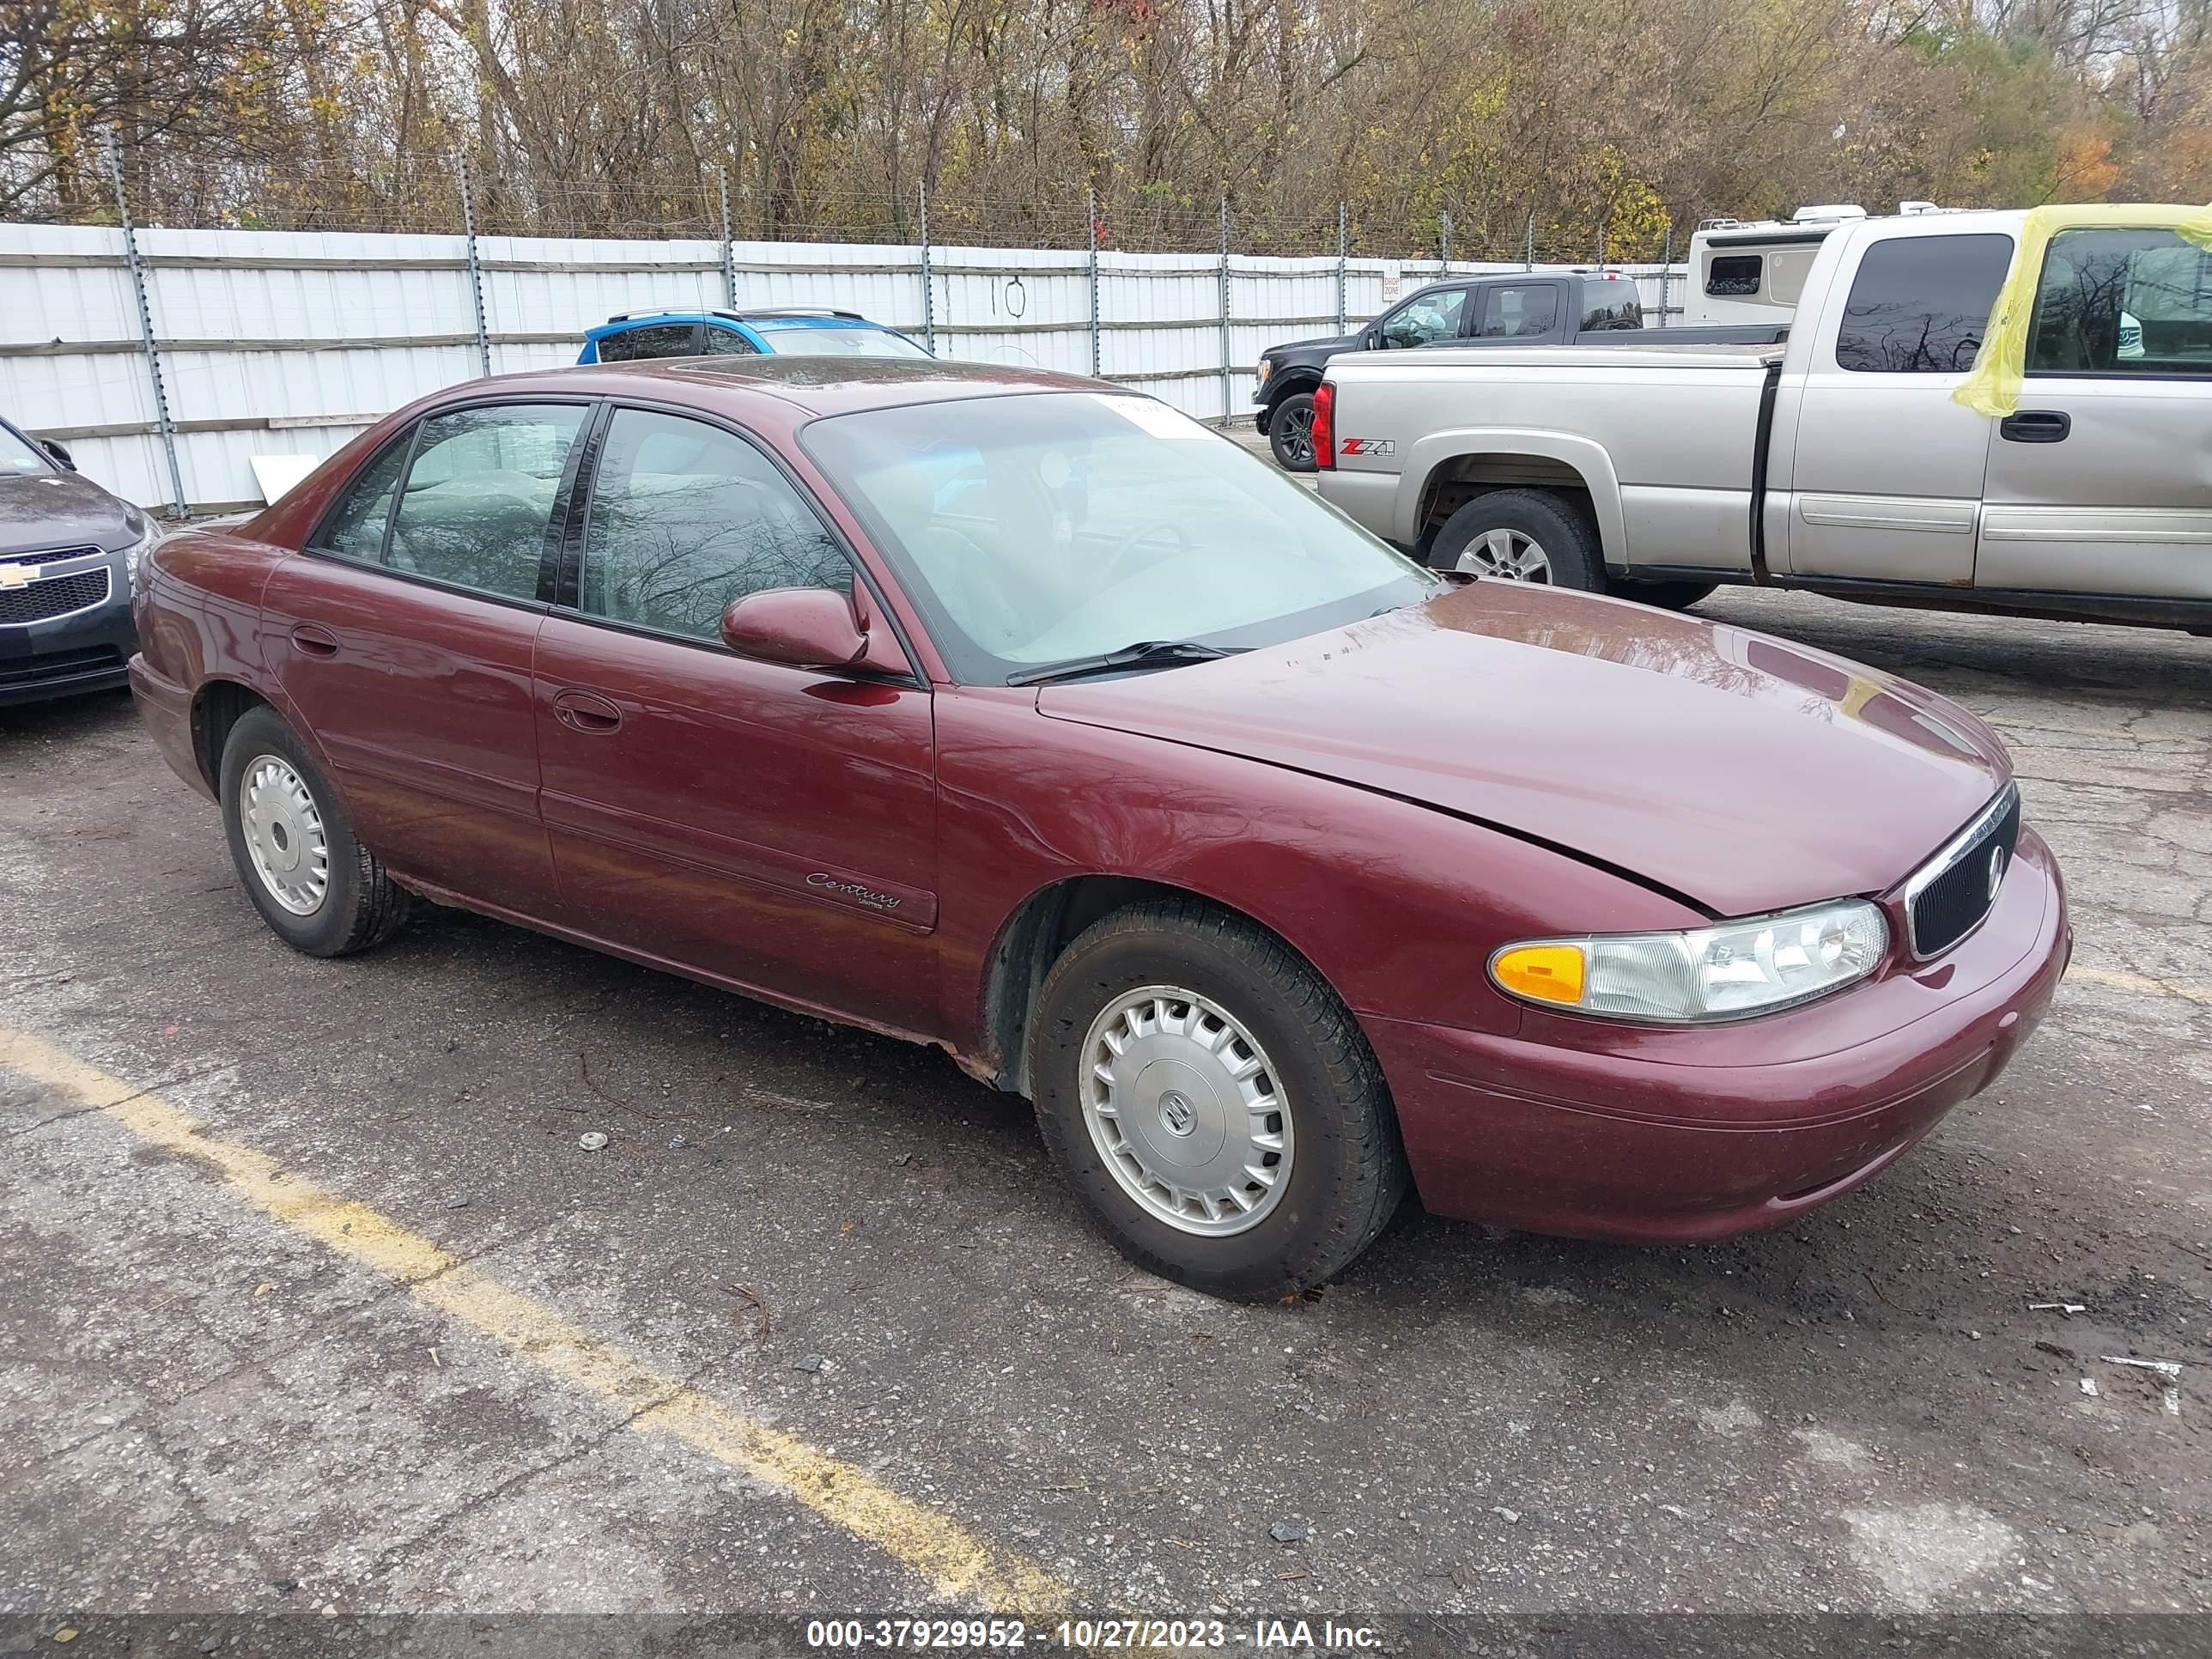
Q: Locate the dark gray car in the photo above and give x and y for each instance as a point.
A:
(69, 552)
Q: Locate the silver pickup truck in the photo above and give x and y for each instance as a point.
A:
(1839, 462)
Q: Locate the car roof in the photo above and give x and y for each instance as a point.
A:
(782, 316)
(813, 386)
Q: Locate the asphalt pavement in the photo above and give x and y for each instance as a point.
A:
(316, 1308)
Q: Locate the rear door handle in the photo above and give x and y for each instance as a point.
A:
(311, 641)
(2036, 426)
(587, 712)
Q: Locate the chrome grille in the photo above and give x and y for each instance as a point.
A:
(1948, 896)
(44, 598)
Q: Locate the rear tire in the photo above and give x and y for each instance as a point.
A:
(1521, 535)
(319, 889)
(1290, 432)
(1667, 596)
(1174, 1042)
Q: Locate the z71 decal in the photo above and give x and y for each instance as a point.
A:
(1367, 446)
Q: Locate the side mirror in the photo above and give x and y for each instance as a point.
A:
(61, 457)
(808, 628)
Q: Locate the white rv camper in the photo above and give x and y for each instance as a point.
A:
(1744, 271)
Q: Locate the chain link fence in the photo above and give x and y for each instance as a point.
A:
(257, 340)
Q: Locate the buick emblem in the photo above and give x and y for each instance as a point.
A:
(1177, 1116)
(1996, 870)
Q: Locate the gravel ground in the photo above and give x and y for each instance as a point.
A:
(210, 1412)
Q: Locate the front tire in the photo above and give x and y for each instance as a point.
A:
(1521, 536)
(319, 889)
(1212, 1101)
(1290, 432)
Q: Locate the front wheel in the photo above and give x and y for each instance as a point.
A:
(1213, 1102)
(1521, 536)
(1289, 434)
(320, 890)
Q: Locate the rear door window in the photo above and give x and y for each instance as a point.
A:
(1519, 312)
(1919, 304)
(655, 340)
(480, 493)
(2123, 302)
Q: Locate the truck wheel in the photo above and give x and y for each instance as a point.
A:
(1521, 536)
(1290, 432)
(1667, 596)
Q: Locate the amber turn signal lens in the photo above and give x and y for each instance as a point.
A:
(1544, 973)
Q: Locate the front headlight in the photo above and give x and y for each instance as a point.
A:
(1266, 367)
(135, 557)
(1725, 971)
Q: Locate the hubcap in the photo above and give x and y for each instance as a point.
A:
(1508, 555)
(1183, 1105)
(284, 835)
(1297, 434)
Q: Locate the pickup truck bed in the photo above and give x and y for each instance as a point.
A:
(1842, 462)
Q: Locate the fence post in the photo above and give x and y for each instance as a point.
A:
(1602, 219)
(476, 268)
(729, 253)
(1444, 245)
(1341, 246)
(168, 427)
(928, 282)
(1224, 308)
(1528, 257)
(1091, 198)
(1666, 274)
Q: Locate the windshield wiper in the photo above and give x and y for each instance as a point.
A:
(1144, 654)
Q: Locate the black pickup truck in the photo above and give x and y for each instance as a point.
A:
(1518, 308)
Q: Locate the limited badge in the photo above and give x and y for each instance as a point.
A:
(17, 575)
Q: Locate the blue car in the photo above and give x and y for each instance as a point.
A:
(788, 330)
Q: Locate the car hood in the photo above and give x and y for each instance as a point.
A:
(1741, 772)
(1316, 348)
(50, 510)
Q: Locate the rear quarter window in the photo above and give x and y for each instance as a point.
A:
(1918, 305)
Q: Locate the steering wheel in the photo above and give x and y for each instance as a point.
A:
(1129, 543)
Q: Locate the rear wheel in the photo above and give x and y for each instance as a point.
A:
(1212, 1101)
(1521, 536)
(319, 889)
(1290, 432)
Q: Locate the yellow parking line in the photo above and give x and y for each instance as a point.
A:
(2140, 984)
(948, 1555)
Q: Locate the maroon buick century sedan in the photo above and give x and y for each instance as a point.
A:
(1016, 713)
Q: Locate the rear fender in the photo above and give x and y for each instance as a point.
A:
(1432, 456)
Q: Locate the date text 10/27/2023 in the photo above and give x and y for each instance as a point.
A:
(1091, 1635)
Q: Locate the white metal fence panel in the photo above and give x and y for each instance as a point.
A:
(286, 343)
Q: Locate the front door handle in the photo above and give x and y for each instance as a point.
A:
(2036, 426)
(587, 712)
(311, 641)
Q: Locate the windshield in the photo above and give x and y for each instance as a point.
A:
(802, 342)
(19, 456)
(1051, 527)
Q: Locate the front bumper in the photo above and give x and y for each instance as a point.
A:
(89, 651)
(1648, 1136)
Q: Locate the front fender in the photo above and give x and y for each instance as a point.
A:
(1588, 458)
